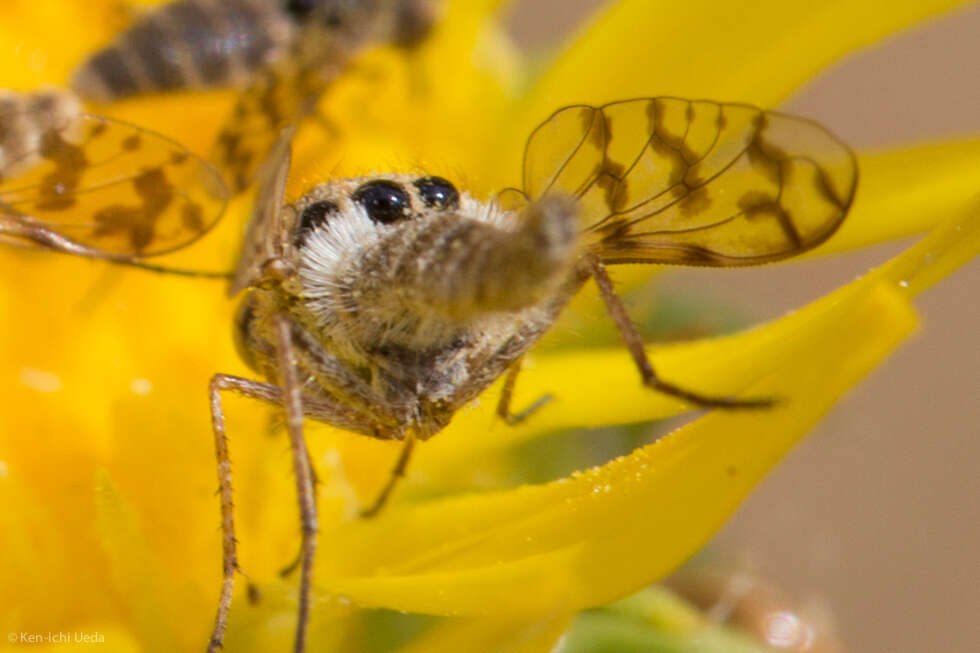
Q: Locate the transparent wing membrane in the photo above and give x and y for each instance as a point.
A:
(109, 186)
(668, 180)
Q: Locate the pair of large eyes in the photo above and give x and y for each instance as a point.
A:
(384, 202)
(387, 202)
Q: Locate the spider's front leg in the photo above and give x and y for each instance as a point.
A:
(304, 481)
(255, 390)
(302, 469)
(289, 396)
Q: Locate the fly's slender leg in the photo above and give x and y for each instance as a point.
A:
(289, 396)
(51, 240)
(292, 400)
(254, 389)
(507, 394)
(634, 343)
(396, 473)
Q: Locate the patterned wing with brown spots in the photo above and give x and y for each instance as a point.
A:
(667, 180)
(109, 186)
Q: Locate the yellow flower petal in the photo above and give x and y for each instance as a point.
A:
(755, 52)
(270, 624)
(36, 557)
(603, 533)
(29, 29)
(157, 611)
(953, 244)
(576, 541)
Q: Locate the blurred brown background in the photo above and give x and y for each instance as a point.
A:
(875, 515)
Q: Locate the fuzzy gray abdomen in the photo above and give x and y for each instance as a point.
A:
(187, 44)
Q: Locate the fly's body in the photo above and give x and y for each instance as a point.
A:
(200, 44)
(188, 44)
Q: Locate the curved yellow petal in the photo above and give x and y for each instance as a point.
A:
(157, 612)
(81, 394)
(755, 52)
(267, 622)
(951, 245)
(603, 533)
(32, 540)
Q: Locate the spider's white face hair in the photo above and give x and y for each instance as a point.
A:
(342, 226)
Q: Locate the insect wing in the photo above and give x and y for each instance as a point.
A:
(667, 180)
(112, 187)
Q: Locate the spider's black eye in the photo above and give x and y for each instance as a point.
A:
(385, 201)
(437, 192)
(312, 217)
(300, 9)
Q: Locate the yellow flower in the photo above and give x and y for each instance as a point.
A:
(107, 476)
